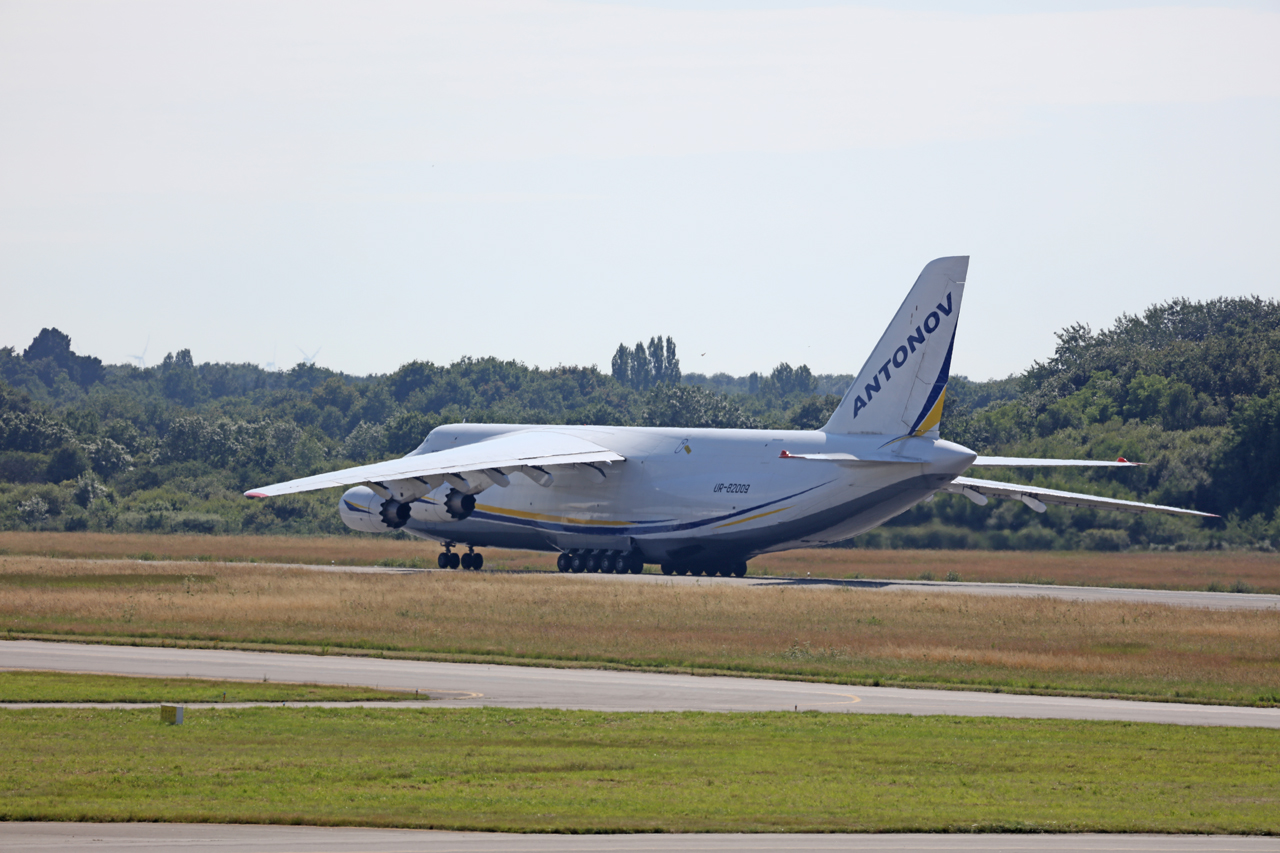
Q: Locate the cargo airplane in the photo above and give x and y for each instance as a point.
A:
(701, 501)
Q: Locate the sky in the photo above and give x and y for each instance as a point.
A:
(540, 180)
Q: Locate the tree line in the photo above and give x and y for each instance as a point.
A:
(1192, 388)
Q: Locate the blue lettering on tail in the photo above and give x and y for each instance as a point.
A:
(931, 324)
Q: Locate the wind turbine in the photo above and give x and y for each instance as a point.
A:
(310, 359)
(142, 359)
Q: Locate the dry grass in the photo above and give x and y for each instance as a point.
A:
(1160, 570)
(309, 550)
(1144, 570)
(840, 634)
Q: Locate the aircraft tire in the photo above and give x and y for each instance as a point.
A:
(605, 562)
(563, 561)
(465, 560)
(635, 565)
(668, 569)
(739, 570)
(578, 563)
(442, 561)
(454, 561)
(477, 562)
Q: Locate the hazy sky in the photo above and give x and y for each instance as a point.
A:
(540, 180)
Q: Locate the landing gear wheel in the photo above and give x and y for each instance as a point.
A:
(454, 561)
(668, 569)
(465, 559)
(682, 570)
(739, 570)
(606, 563)
(592, 562)
(621, 564)
(636, 565)
(477, 561)
(443, 560)
(563, 561)
(578, 563)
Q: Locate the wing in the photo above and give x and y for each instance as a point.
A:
(528, 451)
(979, 490)
(1022, 462)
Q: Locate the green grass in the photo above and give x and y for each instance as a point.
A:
(72, 687)
(576, 771)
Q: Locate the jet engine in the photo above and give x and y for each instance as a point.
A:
(454, 506)
(362, 509)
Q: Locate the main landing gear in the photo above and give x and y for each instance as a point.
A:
(472, 561)
(608, 562)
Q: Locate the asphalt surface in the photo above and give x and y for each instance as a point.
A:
(109, 837)
(477, 685)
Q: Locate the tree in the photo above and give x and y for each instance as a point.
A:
(1248, 475)
(622, 364)
(646, 366)
(641, 368)
(657, 360)
(179, 380)
(695, 407)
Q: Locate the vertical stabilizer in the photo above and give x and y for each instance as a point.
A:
(901, 389)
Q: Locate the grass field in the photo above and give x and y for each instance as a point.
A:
(19, 686)
(862, 636)
(1150, 570)
(500, 769)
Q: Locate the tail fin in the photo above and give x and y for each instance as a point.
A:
(900, 390)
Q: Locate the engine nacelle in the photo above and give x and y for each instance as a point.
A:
(453, 506)
(361, 509)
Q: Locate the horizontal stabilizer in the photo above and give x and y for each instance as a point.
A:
(533, 448)
(1033, 495)
(1020, 462)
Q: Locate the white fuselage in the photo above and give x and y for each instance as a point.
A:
(685, 494)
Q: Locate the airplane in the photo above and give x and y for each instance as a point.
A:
(702, 501)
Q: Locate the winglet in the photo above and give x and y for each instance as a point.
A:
(785, 455)
(256, 495)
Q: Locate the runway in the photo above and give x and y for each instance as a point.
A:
(475, 685)
(198, 838)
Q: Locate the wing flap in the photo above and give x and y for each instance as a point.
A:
(532, 448)
(992, 488)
